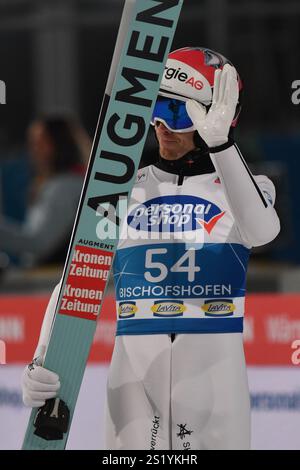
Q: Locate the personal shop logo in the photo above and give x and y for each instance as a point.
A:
(175, 214)
(2, 92)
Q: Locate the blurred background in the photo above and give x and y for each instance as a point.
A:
(54, 61)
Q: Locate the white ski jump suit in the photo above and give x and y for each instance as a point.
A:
(177, 378)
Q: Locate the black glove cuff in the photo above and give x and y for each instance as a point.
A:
(222, 147)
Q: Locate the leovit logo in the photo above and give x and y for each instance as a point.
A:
(2, 92)
(168, 308)
(218, 308)
(127, 309)
(175, 214)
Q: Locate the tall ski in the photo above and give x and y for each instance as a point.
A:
(144, 40)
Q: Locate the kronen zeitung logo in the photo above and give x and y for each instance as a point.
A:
(127, 309)
(218, 308)
(168, 308)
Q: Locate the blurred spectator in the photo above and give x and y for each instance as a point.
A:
(58, 149)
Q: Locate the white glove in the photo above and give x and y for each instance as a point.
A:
(214, 126)
(38, 385)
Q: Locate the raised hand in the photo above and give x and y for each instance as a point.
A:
(214, 125)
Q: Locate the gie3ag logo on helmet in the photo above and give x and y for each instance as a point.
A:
(175, 214)
(172, 73)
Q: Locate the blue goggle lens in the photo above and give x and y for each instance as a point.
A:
(173, 112)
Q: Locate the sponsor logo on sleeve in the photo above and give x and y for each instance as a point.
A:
(269, 197)
(141, 176)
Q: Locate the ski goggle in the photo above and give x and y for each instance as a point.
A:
(173, 114)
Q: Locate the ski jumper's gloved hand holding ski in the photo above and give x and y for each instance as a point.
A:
(40, 384)
(214, 125)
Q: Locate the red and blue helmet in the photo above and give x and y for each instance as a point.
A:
(189, 74)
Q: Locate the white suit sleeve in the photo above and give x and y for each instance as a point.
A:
(251, 198)
(47, 324)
